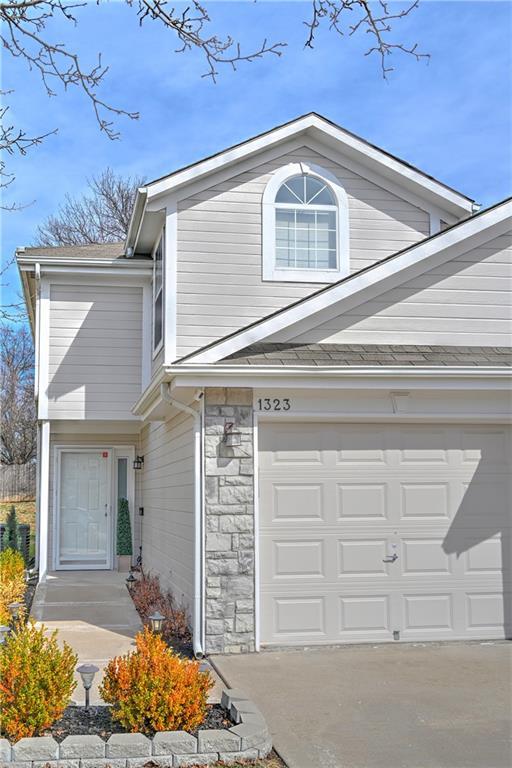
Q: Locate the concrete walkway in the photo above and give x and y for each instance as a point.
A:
(94, 614)
(405, 706)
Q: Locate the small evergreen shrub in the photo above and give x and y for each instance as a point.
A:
(36, 681)
(12, 581)
(152, 689)
(124, 529)
(10, 537)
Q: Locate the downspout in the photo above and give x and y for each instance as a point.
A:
(37, 347)
(198, 645)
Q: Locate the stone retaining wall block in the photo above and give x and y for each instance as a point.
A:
(239, 708)
(105, 763)
(251, 734)
(266, 748)
(184, 760)
(234, 757)
(211, 740)
(82, 746)
(36, 748)
(232, 695)
(5, 750)
(174, 743)
(56, 764)
(128, 745)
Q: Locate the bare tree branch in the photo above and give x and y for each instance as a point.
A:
(374, 19)
(189, 28)
(17, 409)
(101, 216)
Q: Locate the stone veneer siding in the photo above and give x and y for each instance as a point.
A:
(229, 515)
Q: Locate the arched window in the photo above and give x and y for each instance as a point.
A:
(305, 226)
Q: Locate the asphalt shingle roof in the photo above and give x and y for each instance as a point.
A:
(360, 355)
(93, 251)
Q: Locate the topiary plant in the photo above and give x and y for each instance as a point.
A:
(124, 528)
(36, 681)
(152, 689)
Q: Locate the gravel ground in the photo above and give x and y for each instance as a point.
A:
(98, 721)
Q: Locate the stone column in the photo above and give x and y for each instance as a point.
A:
(229, 520)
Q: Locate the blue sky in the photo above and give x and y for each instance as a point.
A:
(450, 117)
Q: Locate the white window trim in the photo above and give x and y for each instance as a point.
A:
(306, 275)
(159, 346)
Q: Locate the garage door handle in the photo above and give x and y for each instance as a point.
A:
(390, 558)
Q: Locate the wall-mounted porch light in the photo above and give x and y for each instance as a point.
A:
(231, 438)
(138, 462)
(157, 621)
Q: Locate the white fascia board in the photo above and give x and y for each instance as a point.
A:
(357, 148)
(334, 377)
(367, 284)
(83, 265)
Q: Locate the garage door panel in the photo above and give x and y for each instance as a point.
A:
(437, 496)
(298, 559)
(368, 615)
(421, 500)
(424, 555)
(295, 502)
(362, 557)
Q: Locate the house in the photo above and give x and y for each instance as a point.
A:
(297, 370)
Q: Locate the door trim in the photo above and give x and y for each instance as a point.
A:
(58, 451)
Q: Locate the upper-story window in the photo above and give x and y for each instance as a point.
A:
(158, 296)
(305, 226)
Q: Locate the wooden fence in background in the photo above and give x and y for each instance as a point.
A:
(17, 482)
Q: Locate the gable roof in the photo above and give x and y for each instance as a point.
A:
(362, 355)
(368, 282)
(354, 147)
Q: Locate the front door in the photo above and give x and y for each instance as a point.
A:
(84, 506)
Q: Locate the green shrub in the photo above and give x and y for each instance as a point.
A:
(124, 528)
(10, 537)
(12, 581)
(36, 681)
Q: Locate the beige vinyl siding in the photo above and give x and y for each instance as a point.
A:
(168, 493)
(465, 301)
(95, 358)
(98, 440)
(219, 283)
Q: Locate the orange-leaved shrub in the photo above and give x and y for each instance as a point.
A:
(36, 681)
(152, 689)
(12, 581)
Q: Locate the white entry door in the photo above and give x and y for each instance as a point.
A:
(384, 532)
(84, 509)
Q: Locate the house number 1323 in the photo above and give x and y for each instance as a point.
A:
(274, 404)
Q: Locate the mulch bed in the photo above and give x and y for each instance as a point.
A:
(98, 722)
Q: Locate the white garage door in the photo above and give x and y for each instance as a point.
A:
(377, 532)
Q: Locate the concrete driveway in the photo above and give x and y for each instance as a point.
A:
(403, 706)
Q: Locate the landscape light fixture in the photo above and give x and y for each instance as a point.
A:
(231, 438)
(130, 579)
(138, 462)
(4, 631)
(157, 621)
(14, 610)
(87, 673)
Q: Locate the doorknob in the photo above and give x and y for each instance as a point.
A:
(390, 558)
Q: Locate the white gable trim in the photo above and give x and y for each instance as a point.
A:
(367, 284)
(351, 145)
